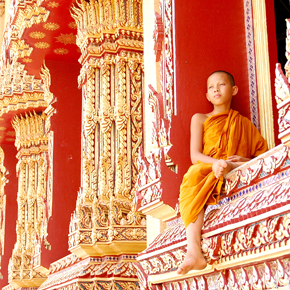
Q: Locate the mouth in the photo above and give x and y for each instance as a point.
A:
(217, 96)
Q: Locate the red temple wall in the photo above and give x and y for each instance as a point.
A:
(10, 191)
(210, 35)
(66, 124)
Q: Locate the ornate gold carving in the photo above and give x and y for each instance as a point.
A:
(34, 142)
(18, 90)
(112, 78)
(26, 17)
(51, 26)
(15, 80)
(37, 34)
(108, 26)
(61, 51)
(34, 206)
(20, 49)
(42, 45)
(66, 38)
(27, 60)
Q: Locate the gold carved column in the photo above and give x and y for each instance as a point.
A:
(34, 198)
(110, 36)
(34, 142)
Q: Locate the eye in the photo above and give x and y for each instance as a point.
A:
(210, 87)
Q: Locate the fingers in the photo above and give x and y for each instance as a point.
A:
(234, 158)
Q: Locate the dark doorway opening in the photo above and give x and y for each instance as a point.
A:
(282, 12)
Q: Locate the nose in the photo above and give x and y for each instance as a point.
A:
(216, 88)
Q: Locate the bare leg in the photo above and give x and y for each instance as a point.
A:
(194, 259)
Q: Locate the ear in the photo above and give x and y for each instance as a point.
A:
(207, 97)
(235, 90)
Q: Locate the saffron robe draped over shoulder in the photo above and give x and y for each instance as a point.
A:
(224, 135)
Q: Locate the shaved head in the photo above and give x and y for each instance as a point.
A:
(230, 77)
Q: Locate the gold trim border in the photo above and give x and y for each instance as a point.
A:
(263, 71)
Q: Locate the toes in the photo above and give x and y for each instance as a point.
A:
(224, 163)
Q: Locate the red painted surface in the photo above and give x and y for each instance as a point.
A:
(11, 209)
(58, 15)
(210, 36)
(66, 124)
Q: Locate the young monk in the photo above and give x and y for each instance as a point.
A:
(220, 141)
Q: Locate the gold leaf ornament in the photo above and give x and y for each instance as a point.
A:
(61, 51)
(51, 26)
(53, 4)
(42, 45)
(37, 34)
(66, 38)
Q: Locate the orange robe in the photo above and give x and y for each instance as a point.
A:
(224, 135)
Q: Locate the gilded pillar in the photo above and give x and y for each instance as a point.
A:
(110, 36)
(33, 198)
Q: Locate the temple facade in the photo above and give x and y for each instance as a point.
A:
(96, 98)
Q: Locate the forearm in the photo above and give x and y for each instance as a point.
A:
(198, 156)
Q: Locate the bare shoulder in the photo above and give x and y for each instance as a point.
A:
(198, 118)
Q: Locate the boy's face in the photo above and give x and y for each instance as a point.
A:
(219, 89)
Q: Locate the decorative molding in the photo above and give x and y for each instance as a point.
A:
(251, 63)
(268, 275)
(19, 90)
(100, 270)
(111, 27)
(263, 71)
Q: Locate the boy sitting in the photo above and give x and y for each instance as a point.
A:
(220, 141)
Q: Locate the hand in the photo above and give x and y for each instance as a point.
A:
(237, 158)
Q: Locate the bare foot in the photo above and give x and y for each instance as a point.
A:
(194, 261)
(221, 167)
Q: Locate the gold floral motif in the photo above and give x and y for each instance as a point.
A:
(10, 139)
(61, 51)
(53, 4)
(10, 133)
(27, 60)
(66, 38)
(42, 45)
(51, 26)
(37, 34)
(72, 25)
(2, 128)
